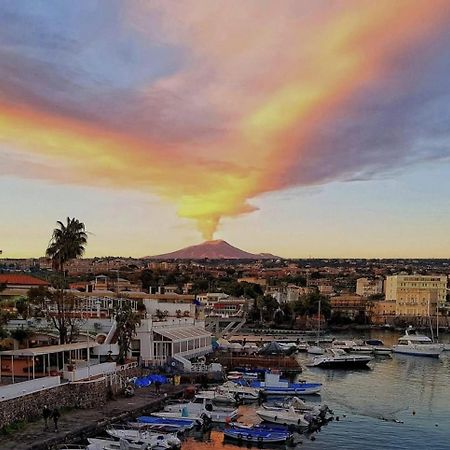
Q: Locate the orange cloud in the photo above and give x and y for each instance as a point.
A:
(268, 73)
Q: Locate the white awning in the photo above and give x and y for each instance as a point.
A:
(182, 333)
(50, 349)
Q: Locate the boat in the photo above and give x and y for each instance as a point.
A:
(351, 347)
(217, 396)
(198, 408)
(315, 350)
(257, 434)
(273, 385)
(338, 358)
(378, 347)
(417, 345)
(122, 444)
(139, 435)
(240, 391)
(446, 347)
(245, 375)
(297, 403)
(181, 423)
(283, 417)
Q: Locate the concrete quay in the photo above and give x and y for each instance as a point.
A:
(77, 424)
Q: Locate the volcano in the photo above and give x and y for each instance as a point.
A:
(216, 249)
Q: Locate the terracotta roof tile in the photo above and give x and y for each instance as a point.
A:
(21, 279)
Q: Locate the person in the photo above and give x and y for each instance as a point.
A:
(46, 413)
(55, 417)
(157, 386)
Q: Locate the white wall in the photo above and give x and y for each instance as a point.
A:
(27, 387)
(91, 371)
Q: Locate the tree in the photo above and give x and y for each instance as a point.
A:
(22, 335)
(23, 308)
(68, 242)
(127, 321)
(58, 308)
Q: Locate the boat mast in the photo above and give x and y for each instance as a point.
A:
(318, 326)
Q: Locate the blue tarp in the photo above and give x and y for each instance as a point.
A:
(150, 379)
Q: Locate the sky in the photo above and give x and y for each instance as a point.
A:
(304, 129)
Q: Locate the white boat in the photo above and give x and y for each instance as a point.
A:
(283, 417)
(315, 350)
(417, 345)
(240, 391)
(149, 437)
(197, 408)
(378, 347)
(122, 444)
(338, 358)
(351, 347)
(297, 403)
(217, 396)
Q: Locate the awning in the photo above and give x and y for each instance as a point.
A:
(182, 333)
(50, 349)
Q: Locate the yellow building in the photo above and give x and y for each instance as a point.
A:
(416, 295)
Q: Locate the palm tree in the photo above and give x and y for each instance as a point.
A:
(68, 242)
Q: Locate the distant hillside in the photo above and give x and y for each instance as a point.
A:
(217, 249)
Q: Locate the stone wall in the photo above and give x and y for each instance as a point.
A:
(87, 394)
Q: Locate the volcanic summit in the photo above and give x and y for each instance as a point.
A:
(217, 249)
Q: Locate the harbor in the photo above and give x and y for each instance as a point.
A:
(403, 397)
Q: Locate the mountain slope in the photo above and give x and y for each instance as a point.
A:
(217, 249)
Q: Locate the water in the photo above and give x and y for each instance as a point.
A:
(402, 402)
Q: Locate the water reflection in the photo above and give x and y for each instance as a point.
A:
(401, 402)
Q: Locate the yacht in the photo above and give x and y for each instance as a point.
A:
(338, 358)
(417, 345)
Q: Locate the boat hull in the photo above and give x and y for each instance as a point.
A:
(282, 419)
(415, 352)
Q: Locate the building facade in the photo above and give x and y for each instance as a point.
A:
(416, 295)
(369, 286)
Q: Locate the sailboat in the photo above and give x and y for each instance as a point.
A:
(316, 349)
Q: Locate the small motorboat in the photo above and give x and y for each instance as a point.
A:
(240, 391)
(198, 408)
(338, 358)
(122, 444)
(352, 347)
(184, 423)
(138, 435)
(315, 350)
(217, 396)
(257, 434)
(283, 417)
(297, 403)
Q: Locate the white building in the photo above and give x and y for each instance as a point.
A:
(365, 287)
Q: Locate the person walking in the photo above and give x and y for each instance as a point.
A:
(55, 417)
(46, 414)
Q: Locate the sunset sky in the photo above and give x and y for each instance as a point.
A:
(300, 128)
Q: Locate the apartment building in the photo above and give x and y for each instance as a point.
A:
(416, 295)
